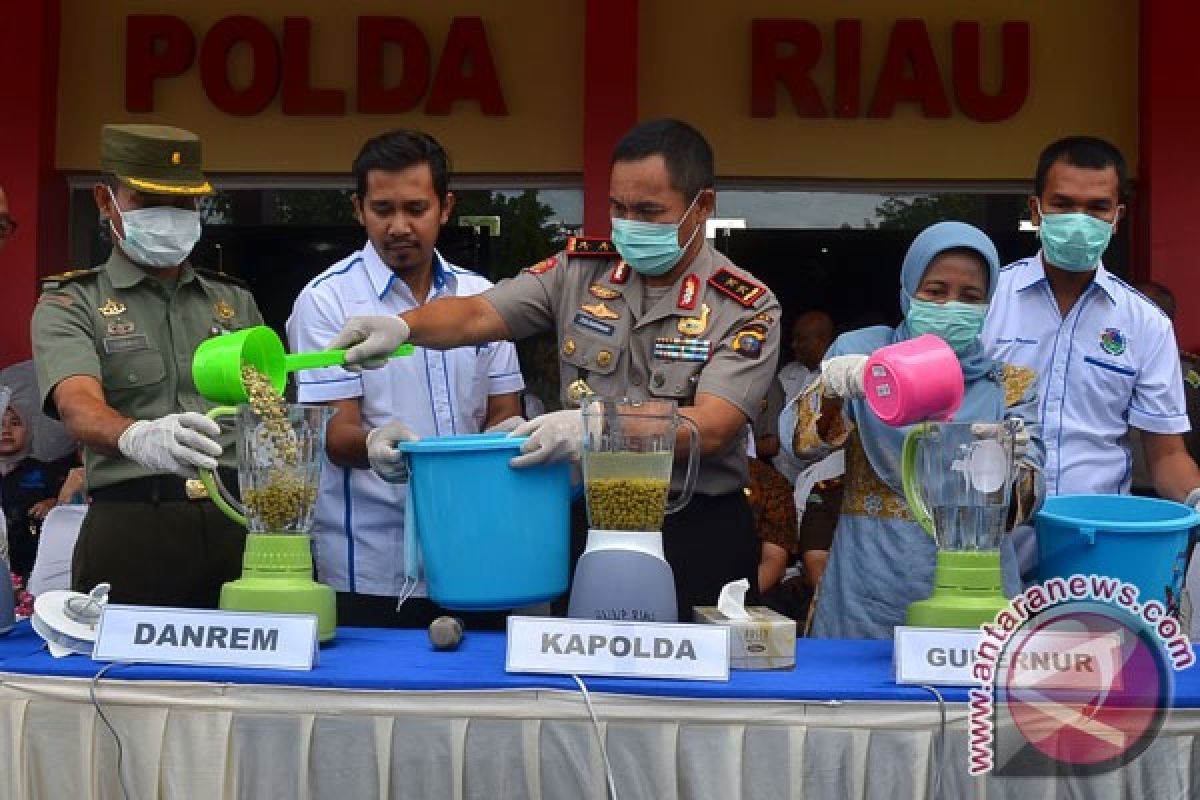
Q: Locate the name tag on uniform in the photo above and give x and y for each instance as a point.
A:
(125, 344)
(667, 348)
(593, 324)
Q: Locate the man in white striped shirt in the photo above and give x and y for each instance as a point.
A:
(402, 200)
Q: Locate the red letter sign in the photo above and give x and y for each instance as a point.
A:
(298, 96)
(466, 45)
(214, 72)
(909, 46)
(374, 35)
(770, 66)
(156, 46)
(968, 68)
(847, 48)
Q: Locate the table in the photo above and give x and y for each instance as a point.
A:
(385, 716)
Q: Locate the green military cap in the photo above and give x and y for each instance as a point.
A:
(154, 158)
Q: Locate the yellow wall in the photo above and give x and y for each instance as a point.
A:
(535, 44)
(695, 64)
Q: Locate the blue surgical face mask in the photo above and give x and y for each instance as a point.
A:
(651, 248)
(958, 324)
(158, 237)
(1073, 241)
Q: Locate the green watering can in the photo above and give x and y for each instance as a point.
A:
(217, 363)
(966, 477)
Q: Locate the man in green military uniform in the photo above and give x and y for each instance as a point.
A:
(113, 348)
(654, 313)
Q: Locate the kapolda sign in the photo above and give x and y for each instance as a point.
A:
(160, 47)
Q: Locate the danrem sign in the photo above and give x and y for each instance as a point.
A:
(160, 46)
(784, 54)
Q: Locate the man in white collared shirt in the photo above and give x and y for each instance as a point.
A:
(402, 200)
(1105, 355)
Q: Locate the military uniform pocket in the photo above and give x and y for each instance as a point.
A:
(126, 371)
(675, 380)
(590, 353)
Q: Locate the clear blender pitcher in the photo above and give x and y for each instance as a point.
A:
(958, 480)
(279, 467)
(279, 455)
(628, 458)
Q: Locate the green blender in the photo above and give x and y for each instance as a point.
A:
(279, 447)
(958, 481)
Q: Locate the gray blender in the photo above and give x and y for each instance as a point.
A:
(628, 456)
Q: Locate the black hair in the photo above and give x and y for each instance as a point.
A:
(401, 149)
(1088, 152)
(688, 156)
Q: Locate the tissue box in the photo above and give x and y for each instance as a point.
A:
(765, 641)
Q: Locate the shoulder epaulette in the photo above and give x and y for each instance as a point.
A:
(70, 276)
(743, 291)
(590, 246)
(223, 277)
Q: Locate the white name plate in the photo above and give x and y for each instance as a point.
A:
(204, 637)
(938, 656)
(624, 649)
(1044, 659)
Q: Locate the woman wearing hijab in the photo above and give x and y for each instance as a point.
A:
(882, 560)
(28, 487)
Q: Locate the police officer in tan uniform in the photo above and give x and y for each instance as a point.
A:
(654, 313)
(113, 348)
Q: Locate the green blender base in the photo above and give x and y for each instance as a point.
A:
(277, 576)
(967, 592)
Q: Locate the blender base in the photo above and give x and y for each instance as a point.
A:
(967, 592)
(622, 576)
(277, 576)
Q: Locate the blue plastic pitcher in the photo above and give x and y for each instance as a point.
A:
(1140, 540)
(491, 537)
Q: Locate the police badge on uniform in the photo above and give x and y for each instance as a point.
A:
(749, 339)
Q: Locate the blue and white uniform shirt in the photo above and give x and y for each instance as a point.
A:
(359, 520)
(1110, 364)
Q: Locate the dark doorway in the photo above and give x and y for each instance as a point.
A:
(852, 274)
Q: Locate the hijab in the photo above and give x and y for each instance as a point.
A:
(983, 399)
(23, 403)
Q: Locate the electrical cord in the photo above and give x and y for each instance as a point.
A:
(406, 591)
(108, 724)
(939, 744)
(587, 698)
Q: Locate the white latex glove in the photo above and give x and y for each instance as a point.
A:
(370, 340)
(843, 376)
(1020, 436)
(387, 461)
(506, 425)
(553, 437)
(177, 443)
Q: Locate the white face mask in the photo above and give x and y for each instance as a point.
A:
(159, 237)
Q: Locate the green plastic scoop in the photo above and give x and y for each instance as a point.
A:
(217, 362)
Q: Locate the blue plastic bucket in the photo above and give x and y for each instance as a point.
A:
(492, 537)
(1140, 540)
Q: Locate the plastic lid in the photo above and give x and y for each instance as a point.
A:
(467, 443)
